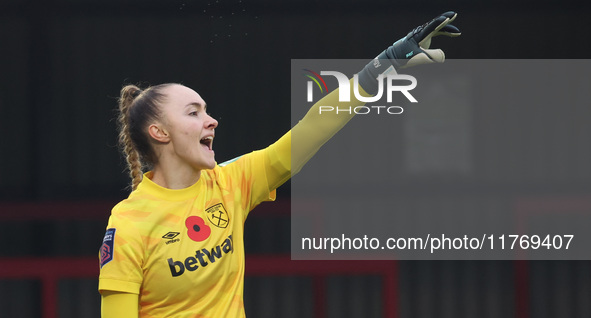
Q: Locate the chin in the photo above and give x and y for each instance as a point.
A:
(210, 164)
(204, 165)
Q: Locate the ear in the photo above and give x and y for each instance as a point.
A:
(158, 132)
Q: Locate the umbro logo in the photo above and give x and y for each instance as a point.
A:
(171, 237)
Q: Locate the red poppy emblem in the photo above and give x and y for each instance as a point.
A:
(197, 230)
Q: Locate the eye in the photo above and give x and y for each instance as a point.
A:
(193, 113)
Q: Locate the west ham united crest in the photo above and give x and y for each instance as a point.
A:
(218, 216)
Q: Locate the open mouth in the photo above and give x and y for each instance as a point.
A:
(207, 142)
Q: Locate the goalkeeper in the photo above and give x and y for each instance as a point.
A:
(174, 247)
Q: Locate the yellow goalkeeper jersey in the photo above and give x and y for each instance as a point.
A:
(182, 251)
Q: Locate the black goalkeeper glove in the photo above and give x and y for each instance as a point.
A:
(411, 50)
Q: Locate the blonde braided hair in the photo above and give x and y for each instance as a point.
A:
(137, 110)
(128, 94)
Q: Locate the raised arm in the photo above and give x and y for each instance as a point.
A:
(289, 154)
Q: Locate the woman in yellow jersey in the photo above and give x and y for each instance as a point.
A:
(174, 247)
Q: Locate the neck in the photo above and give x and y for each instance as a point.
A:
(175, 176)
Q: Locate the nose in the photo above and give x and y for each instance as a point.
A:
(211, 122)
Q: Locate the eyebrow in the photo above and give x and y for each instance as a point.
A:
(198, 105)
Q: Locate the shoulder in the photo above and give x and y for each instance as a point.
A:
(227, 162)
(127, 218)
(244, 161)
(129, 208)
(228, 173)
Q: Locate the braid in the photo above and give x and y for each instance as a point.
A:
(128, 94)
(137, 110)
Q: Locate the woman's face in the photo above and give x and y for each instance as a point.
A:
(189, 127)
